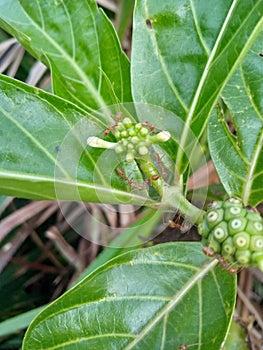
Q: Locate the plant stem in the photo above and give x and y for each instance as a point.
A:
(174, 199)
(172, 196)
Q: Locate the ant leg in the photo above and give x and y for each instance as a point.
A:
(130, 182)
(112, 127)
(160, 164)
(209, 252)
(150, 126)
(183, 228)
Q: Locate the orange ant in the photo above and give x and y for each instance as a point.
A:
(209, 252)
(155, 177)
(175, 224)
(150, 126)
(112, 127)
(133, 184)
(160, 164)
(183, 347)
(130, 182)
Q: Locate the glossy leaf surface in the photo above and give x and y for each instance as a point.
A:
(236, 145)
(79, 44)
(44, 153)
(155, 298)
(184, 52)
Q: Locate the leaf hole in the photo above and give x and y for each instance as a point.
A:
(149, 23)
(261, 54)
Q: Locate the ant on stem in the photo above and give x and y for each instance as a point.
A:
(209, 252)
(133, 184)
(184, 227)
(160, 164)
(150, 126)
(130, 182)
(112, 127)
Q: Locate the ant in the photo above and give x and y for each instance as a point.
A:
(174, 224)
(209, 252)
(112, 127)
(133, 184)
(150, 126)
(183, 347)
(160, 164)
(130, 182)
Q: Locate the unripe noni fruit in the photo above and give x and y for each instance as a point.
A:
(234, 232)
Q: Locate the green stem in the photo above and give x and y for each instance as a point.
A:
(149, 170)
(174, 199)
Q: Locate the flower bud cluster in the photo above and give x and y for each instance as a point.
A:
(234, 232)
(133, 139)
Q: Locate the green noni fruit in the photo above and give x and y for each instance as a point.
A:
(234, 232)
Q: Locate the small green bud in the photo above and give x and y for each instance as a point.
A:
(132, 132)
(138, 126)
(143, 150)
(127, 122)
(124, 134)
(144, 132)
(120, 127)
(135, 140)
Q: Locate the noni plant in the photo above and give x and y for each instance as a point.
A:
(137, 131)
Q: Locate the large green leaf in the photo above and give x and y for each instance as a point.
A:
(44, 153)
(130, 238)
(238, 154)
(154, 298)
(78, 42)
(184, 52)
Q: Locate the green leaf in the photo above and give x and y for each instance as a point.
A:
(154, 298)
(184, 52)
(240, 169)
(79, 44)
(44, 153)
(129, 239)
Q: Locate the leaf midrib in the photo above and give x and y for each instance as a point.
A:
(210, 63)
(70, 182)
(175, 300)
